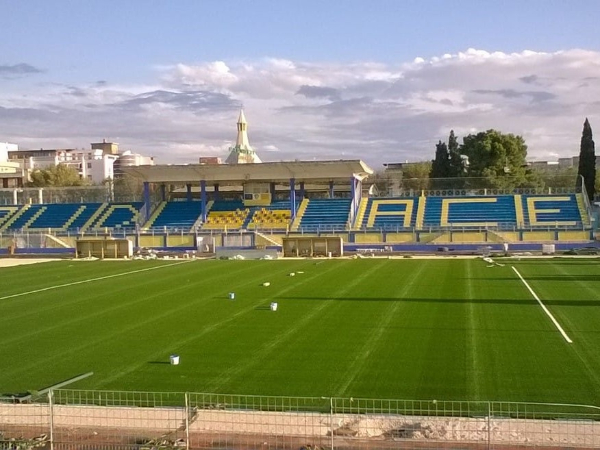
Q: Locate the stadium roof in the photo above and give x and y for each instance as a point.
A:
(301, 171)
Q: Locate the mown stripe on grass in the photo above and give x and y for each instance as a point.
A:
(370, 344)
(281, 340)
(176, 346)
(101, 340)
(554, 321)
(91, 280)
(472, 369)
(105, 311)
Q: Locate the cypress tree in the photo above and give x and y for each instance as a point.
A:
(440, 167)
(587, 160)
(456, 164)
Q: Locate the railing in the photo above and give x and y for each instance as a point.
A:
(36, 239)
(112, 419)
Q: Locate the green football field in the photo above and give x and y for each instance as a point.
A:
(447, 329)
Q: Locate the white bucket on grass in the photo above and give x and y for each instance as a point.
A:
(174, 360)
(273, 306)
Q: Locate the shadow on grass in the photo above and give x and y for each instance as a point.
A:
(482, 301)
(591, 261)
(567, 278)
(160, 362)
(262, 308)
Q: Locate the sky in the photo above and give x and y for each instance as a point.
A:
(377, 80)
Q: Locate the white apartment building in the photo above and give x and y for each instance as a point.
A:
(95, 165)
(11, 173)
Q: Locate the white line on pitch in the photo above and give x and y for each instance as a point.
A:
(90, 280)
(554, 321)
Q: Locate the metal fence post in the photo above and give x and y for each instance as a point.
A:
(331, 420)
(187, 421)
(51, 411)
(489, 425)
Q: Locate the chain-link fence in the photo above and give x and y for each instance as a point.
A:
(69, 419)
(397, 183)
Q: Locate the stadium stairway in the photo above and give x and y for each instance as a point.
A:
(157, 212)
(94, 216)
(198, 223)
(6, 212)
(362, 208)
(23, 217)
(497, 237)
(268, 240)
(55, 216)
(118, 215)
(178, 214)
(54, 242)
(299, 213)
(35, 217)
(519, 210)
(10, 223)
(74, 217)
(421, 212)
(585, 218)
(251, 211)
(427, 238)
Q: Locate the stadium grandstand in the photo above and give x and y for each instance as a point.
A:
(248, 203)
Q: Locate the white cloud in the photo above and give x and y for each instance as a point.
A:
(370, 110)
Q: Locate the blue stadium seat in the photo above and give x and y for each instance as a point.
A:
(178, 215)
(118, 215)
(55, 216)
(560, 210)
(390, 213)
(326, 214)
(470, 211)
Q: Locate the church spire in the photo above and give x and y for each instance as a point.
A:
(242, 132)
(242, 152)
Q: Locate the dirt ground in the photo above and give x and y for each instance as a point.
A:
(11, 262)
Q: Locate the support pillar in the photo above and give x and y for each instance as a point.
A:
(331, 189)
(272, 191)
(301, 190)
(147, 199)
(216, 192)
(163, 192)
(15, 197)
(188, 195)
(40, 196)
(203, 200)
(293, 198)
(355, 192)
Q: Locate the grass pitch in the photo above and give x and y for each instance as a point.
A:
(376, 328)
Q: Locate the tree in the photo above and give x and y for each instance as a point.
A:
(456, 168)
(56, 176)
(126, 188)
(440, 166)
(416, 175)
(555, 178)
(498, 160)
(587, 160)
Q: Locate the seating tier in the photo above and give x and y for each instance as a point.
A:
(118, 215)
(57, 216)
(326, 213)
(178, 215)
